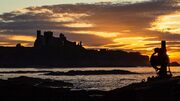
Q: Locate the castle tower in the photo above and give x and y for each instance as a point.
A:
(62, 37)
(38, 33)
(38, 42)
(48, 35)
(80, 43)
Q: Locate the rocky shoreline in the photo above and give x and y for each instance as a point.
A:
(35, 89)
(90, 72)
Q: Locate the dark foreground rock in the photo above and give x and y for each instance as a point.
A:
(33, 89)
(90, 72)
(157, 90)
(34, 82)
(22, 72)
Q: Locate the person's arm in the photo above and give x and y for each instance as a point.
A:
(152, 59)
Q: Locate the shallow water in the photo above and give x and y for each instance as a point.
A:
(91, 82)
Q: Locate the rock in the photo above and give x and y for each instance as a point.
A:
(29, 81)
(24, 89)
(90, 72)
(158, 90)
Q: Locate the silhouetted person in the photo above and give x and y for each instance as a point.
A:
(160, 58)
(155, 59)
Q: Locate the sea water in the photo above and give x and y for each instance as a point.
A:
(91, 82)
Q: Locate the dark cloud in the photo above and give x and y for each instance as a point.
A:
(89, 40)
(135, 18)
(162, 36)
(171, 43)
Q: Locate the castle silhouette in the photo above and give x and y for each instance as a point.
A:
(53, 42)
(50, 51)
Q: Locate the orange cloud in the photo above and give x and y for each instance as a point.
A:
(134, 27)
(79, 25)
(102, 34)
(167, 23)
(22, 38)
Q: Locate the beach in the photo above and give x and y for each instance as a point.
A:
(35, 89)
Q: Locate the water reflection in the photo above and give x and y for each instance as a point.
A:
(89, 82)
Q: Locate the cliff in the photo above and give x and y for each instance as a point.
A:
(60, 52)
(68, 57)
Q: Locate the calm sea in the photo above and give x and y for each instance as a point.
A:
(91, 82)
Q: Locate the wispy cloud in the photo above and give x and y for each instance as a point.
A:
(108, 25)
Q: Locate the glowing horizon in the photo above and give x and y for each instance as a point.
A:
(129, 26)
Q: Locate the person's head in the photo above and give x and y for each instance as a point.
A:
(156, 50)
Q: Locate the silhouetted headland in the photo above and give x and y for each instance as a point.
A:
(50, 51)
(72, 72)
(174, 64)
(90, 72)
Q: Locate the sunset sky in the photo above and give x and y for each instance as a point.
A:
(130, 25)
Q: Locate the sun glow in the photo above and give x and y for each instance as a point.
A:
(101, 34)
(174, 56)
(79, 25)
(6, 44)
(134, 42)
(22, 38)
(167, 23)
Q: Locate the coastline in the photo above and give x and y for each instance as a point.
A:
(33, 89)
(49, 67)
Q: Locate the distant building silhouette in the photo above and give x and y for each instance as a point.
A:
(48, 40)
(53, 51)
